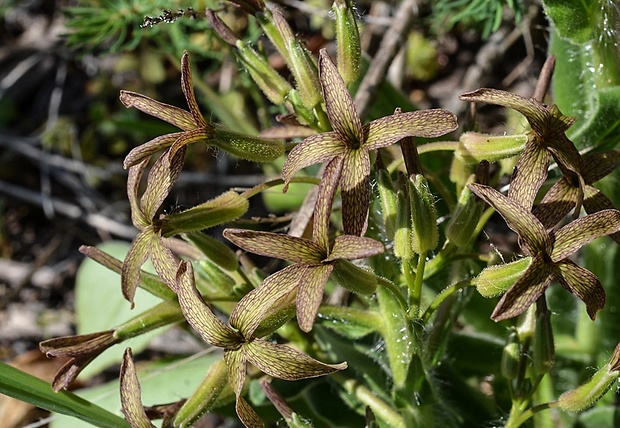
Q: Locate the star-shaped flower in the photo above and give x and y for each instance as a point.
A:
(549, 251)
(352, 142)
(314, 260)
(241, 346)
(566, 193)
(546, 137)
(195, 127)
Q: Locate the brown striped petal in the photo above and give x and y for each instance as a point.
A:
(355, 191)
(131, 401)
(529, 174)
(310, 294)
(188, 90)
(583, 284)
(354, 247)
(556, 203)
(277, 245)
(325, 198)
(174, 115)
(314, 149)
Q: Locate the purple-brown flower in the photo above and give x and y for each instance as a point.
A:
(351, 143)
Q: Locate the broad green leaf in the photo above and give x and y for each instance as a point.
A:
(22, 386)
(96, 284)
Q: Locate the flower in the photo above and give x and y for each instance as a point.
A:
(350, 142)
(549, 251)
(280, 361)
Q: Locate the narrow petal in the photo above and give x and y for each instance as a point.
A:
(423, 123)
(189, 137)
(310, 294)
(131, 401)
(164, 262)
(338, 102)
(532, 233)
(254, 306)
(557, 202)
(187, 86)
(237, 368)
(138, 154)
(315, 149)
(529, 174)
(247, 415)
(198, 314)
(162, 176)
(564, 151)
(135, 258)
(133, 183)
(277, 245)
(174, 115)
(284, 362)
(579, 232)
(324, 201)
(595, 201)
(354, 247)
(355, 191)
(583, 284)
(598, 165)
(525, 291)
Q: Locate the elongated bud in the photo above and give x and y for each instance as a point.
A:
(403, 237)
(497, 279)
(511, 357)
(465, 218)
(423, 214)
(354, 278)
(388, 199)
(204, 397)
(225, 207)
(586, 395)
(348, 41)
(247, 147)
(544, 348)
(475, 147)
(165, 313)
(212, 281)
(300, 62)
(214, 250)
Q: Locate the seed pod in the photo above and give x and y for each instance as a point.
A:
(497, 279)
(354, 278)
(388, 200)
(348, 40)
(403, 234)
(423, 215)
(544, 348)
(465, 218)
(511, 357)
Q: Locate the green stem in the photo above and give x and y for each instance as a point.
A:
(438, 146)
(439, 261)
(395, 291)
(525, 415)
(445, 293)
(277, 182)
(367, 397)
(415, 296)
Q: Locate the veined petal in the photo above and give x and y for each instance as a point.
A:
(284, 362)
(598, 165)
(339, 105)
(525, 291)
(579, 232)
(131, 402)
(355, 191)
(198, 314)
(237, 368)
(188, 90)
(354, 247)
(277, 245)
(174, 115)
(564, 151)
(137, 154)
(582, 283)
(529, 174)
(310, 294)
(247, 415)
(558, 202)
(423, 123)
(324, 201)
(189, 137)
(314, 149)
(251, 309)
(135, 258)
(164, 262)
(532, 233)
(133, 183)
(162, 176)
(594, 200)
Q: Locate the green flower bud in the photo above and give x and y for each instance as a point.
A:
(464, 219)
(497, 279)
(256, 149)
(348, 40)
(423, 214)
(165, 313)
(511, 357)
(403, 234)
(388, 200)
(218, 210)
(354, 278)
(544, 348)
(585, 396)
(475, 147)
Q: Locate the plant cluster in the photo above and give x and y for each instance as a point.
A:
(376, 283)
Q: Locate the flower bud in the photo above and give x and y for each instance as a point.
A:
(465, 218)
(348, 40)
(497, 279)
(585, 396)
(475, 147)
(423, 214)
(511, 357)
(388, 200)
(354, 278)
(255, 149)
(403, 235)
(544, 348)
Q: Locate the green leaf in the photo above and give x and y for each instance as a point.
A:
(571, 18)
(95, 284)
(22, 386)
